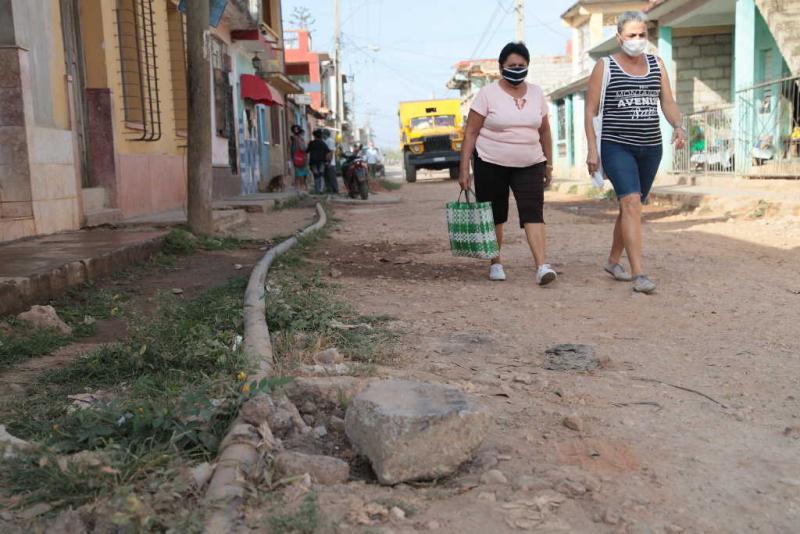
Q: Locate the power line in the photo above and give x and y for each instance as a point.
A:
(496, 29)
(496, 11)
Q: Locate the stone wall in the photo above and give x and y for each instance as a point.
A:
(703, 66)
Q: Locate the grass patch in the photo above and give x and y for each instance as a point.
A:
(79, 308)
(760, 210)
(390, 185)
(174, 386)
(22, 342)
(307, 519)
(179, 242)
(305, 314)
(573, 190)
(287, 204)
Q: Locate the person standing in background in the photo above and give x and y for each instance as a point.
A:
(330, 169)
(299, 161)
(372, 159)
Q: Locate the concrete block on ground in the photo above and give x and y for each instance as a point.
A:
(414, 430)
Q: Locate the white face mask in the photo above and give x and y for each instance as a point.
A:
(634, 47)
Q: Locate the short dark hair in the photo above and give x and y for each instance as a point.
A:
(515, 48)
(317, 134)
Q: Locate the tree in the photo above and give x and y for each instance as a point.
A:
(302, 18)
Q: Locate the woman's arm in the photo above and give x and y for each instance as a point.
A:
(474, 125)
(546, 140)
(670, 108)
(593, 91)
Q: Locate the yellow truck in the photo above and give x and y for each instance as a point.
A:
(431, 132)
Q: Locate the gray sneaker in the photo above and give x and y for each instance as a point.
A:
(642, 284)
(617, 271)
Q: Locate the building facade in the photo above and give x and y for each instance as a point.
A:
(93, 119)
(733, 66)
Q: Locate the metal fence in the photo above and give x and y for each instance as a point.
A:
(710, 143)
(767, 126)
(758, 137)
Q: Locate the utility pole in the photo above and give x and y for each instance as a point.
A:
(337, 54)
(199, 135)
(520, 9)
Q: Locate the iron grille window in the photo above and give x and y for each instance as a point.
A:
(176, 25)
(138, 68)
(223, 92)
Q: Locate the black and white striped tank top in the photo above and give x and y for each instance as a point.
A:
(630, 111)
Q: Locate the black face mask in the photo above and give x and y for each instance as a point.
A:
(515, 76)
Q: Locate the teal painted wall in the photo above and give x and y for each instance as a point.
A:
(665, 51)
(758, 59)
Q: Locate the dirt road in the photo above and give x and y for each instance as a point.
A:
(649, 457)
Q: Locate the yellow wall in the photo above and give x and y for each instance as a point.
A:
(94, 53)
(169, 142)
(58, 70)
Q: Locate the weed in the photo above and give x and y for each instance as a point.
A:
(390, 185)
(760, 210)
(219, 243)
(176, 384)
(179, 242)
(83, 304)
(287, 204)
(300, 301)
(573, 190)
(306, 520)
(24, 342)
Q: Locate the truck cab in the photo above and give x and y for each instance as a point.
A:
(431, 133)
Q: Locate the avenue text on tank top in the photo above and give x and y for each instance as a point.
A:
(630, 111)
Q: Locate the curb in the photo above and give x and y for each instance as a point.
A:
(239, 449)
(368, 202)
(17, 294)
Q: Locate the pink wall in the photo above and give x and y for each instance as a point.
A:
(304, 56)
(151, 183)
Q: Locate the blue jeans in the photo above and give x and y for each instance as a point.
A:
(318, 170)
(630, 168)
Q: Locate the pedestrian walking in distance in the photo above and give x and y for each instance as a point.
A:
(319, 154)
(630, 138)
(372, 160)
(298, 151)
(508, 141)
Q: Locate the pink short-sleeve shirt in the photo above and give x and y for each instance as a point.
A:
(510, 133)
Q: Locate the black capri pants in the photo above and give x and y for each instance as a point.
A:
(492, 183)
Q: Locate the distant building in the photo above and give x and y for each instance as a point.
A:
(472, 74)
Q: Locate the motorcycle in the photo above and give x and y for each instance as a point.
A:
(355, 173)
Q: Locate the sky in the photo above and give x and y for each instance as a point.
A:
(399, 50)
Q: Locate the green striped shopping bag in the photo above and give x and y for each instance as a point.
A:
(471, 228)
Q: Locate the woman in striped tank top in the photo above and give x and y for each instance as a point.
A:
(631, 137)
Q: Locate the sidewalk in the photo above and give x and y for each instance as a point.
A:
(36, 270)
(720, 193)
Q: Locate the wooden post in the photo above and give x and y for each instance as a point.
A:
(199, 134)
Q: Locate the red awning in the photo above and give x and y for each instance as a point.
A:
(259, 91)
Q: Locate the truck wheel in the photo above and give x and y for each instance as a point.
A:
(454, 171)
(410, 171)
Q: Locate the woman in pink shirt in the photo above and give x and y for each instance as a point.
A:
(508, 140)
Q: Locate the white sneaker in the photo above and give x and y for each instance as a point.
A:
(545, 274)
(496, 272)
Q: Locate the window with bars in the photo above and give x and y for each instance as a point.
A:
(138, 68)
(176, 26)
(223, 93)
